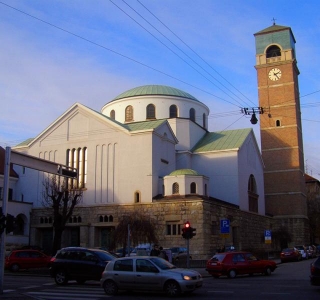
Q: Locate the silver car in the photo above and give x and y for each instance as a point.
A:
(148, 273)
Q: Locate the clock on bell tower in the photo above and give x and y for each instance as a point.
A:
(280, 127)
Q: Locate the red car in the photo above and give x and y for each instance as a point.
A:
(290, 254)
(236, 263)
(26, 259)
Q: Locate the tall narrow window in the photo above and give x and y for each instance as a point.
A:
(175, 188)
(113, 114)
(173, 111)
(192, 114)
(137, 197)
(278, 123)
(204, 121)
(151, 111)
(129, 113)
(252, 194)
(77, 158)
(193, 188)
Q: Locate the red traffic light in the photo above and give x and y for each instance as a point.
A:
(187, 224)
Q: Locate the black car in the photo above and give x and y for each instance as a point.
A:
(80, 264)
(315, 272)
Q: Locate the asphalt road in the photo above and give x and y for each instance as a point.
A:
(289, 281)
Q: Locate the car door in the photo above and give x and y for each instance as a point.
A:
(123, 273)
(147, 275)
(239, 263)
(254, 265)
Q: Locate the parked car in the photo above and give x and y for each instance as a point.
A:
(121, 251)
(179, 254)
(290, 254)
(315, 272)
(149, 273)
(311, 251)
(236, 263)
(303, 251)
(80, 264)
(26, 259)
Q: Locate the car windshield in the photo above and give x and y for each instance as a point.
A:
(162, 263)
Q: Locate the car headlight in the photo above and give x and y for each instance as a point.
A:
(186, 277)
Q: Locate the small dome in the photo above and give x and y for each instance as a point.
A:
(147, 90)
(183, 172)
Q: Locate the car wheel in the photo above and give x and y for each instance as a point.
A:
(232, 274)
(268, 271)
(81, 281)
(15, 268)
(61, 277)
(172, 289)
(110, 287)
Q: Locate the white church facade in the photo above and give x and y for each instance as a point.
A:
(149, 149)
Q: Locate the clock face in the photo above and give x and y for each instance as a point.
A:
(275, 74)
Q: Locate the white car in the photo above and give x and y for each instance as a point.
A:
(147, 273)
(303, 251)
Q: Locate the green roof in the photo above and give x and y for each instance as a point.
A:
(273, 28)
(222, 140)
(25, 143)
(145, 125)
(183, 172)
(148, 90)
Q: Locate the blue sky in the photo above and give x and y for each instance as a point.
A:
(56, 53)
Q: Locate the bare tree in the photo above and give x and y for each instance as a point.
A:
(62, 200)
(142, 230)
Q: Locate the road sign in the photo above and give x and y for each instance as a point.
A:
(267, 236)
(225, 227)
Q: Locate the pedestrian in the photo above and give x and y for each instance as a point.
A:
(163, 254)
(155, 251)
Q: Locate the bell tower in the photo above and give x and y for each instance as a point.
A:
(281, 132)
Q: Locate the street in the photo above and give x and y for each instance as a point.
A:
(289, 281)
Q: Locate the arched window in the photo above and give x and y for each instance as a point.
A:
(278, 123)
(173, 112)
(193, 188)
(136, 197)
(151, 111)
(192, 114)
(252, 194)
(101, 219)
(175, 188)
(110, 218)
(105, 219)
(129, 113)
(113, 114)
(273, 51)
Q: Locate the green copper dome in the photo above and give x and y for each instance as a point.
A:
(183, 172)
(155, 90)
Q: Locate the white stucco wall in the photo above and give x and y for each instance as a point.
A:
(162, 104)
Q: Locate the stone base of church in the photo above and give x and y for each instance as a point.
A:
(93, 226)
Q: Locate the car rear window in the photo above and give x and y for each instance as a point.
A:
(218, 257)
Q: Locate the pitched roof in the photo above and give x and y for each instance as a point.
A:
(145, 125)
(222, 140)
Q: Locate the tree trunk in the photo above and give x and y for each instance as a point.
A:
(56, 240)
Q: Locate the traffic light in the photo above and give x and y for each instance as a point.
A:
(10, 223)
(192, 232)
(2, 221)
(185, 230)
